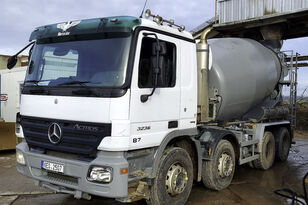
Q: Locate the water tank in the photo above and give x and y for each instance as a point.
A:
(244, 71)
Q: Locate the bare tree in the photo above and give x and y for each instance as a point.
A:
(302, 96)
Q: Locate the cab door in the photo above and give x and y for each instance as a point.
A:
(152, 120)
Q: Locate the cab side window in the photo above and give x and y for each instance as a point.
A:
(148, 62)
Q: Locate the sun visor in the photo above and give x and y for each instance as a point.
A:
(83, 27)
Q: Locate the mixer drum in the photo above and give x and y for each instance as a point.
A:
(244, 72)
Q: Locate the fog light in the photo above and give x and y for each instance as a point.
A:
(100, 174)
(20, 158)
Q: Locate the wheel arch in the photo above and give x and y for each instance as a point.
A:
(173, 139)
(233, 140)
(275, 128)
(210, 139)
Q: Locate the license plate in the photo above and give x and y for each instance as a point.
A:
(51, 166)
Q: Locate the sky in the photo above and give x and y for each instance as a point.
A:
(20, 17)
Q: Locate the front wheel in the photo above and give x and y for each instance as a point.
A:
(174, 178)
(217, 173)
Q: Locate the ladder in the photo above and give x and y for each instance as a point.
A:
(290, 61)
(293, 90)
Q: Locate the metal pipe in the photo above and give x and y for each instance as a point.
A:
(204, 35)
(203, 68)
(215, 11)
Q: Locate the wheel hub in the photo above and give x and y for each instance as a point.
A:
(225, 166)
(176, 179)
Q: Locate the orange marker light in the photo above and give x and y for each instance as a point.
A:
(124, 171)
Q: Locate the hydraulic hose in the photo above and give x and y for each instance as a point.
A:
(288, 193)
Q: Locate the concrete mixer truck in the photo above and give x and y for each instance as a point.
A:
(130, 108)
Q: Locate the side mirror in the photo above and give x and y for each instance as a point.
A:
(11, 62)
(156, 51)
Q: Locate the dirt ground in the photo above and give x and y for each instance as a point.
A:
(301, 134)
(249, 187)
(302, 116)
(302, 120)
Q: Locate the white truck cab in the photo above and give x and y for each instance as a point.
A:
(82, 96)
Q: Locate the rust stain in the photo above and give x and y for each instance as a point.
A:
(268, 12)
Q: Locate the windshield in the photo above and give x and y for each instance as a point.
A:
(93, 63)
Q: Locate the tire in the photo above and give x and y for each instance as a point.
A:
(191, 151)
(174, 159)
(214, 175)
(283, 144)
(267, 155)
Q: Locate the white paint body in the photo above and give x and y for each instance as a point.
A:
(127, 113)
(11, 81)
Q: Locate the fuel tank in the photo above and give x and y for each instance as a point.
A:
(244, 72)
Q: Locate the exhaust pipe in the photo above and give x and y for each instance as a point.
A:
(203, 77)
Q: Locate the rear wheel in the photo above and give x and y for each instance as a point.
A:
(283, 144)
(174, 178)
(267, 154)
(217, 174)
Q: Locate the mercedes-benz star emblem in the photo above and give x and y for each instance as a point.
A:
(54, 133)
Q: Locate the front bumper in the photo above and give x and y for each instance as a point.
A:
(73, 180)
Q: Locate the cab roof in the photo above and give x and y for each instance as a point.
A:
(97, 26)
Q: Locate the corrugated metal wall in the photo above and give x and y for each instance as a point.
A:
(237, 10)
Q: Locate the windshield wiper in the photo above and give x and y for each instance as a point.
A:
(74, 82)
(86, 92)
(32, 81)
(37, 91)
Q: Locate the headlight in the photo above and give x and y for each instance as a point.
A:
(100, 174)
(20, 158)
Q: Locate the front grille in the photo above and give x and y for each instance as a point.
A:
(74, 140)
(62, 178)
(55, 177)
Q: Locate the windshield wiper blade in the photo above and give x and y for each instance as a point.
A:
(37, 91)
(86, 92)
(74, 82)
(32, 81)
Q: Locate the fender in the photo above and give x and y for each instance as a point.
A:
(172, 135)
(261, 127)
(210, 139)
